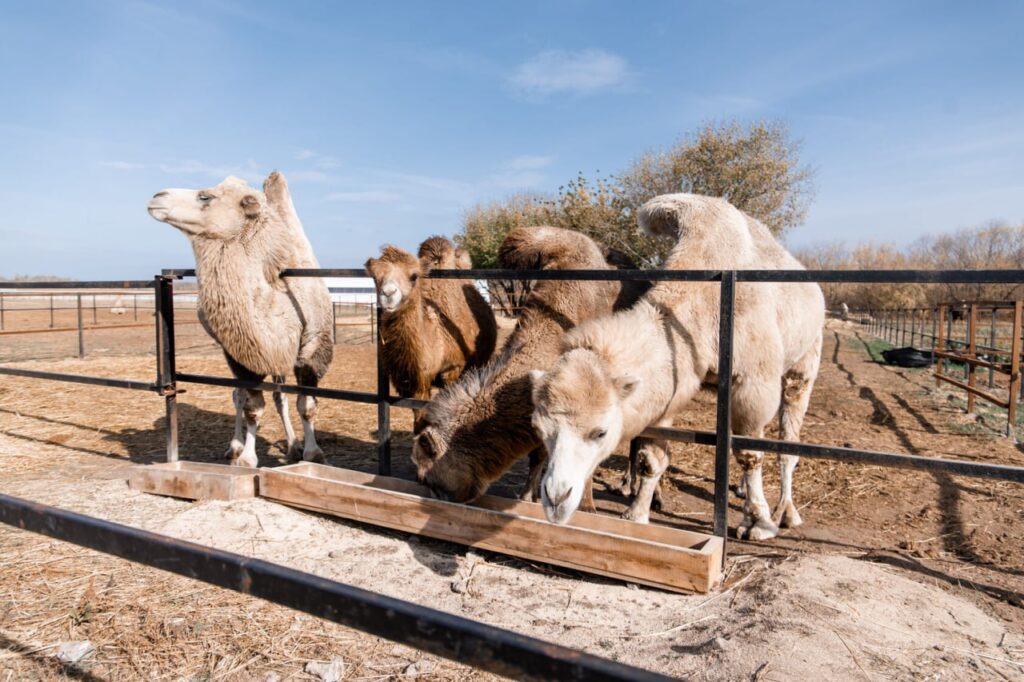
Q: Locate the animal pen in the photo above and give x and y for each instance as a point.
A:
(469, 642)
(983, 335)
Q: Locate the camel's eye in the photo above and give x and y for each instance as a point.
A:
(205, 198)
(598, 434)
(413, 277)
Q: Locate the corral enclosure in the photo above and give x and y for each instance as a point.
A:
(894, 573)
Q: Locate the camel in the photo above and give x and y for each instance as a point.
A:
(475, 429)
(266, 325)
(640, 367)
(432, 330)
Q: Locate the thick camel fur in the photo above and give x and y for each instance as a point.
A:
(432, 330)
(475, 429)
(640, 367)
(266, 325)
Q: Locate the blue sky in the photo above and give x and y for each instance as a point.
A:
(390, 119)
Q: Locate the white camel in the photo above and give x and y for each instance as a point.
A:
(640, 367)
(242, 239)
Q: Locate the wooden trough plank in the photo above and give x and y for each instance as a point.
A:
(673, 560)
(195, 480)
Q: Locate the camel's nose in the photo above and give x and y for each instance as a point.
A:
(160, 194)
(559, 499)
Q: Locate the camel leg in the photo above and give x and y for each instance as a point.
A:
(531, 491)
(652, 461)
(587, 501)
(755, 402)
(310, 451)
(797, 385)
(253, 410)
(281, 403)
(238, 440)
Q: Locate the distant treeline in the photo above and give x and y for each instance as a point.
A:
(993, 246)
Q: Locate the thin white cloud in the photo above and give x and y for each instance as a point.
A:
(583, 72)
(122, 165)
(305, 155)
(365, 197)
(529, 162)
(249, 171)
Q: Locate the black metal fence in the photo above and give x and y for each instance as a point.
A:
(430, 630)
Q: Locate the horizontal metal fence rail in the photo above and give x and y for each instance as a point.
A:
(80, 379)
(444, 634)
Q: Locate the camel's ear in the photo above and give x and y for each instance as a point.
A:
(368, 266)
(625, 385)
(427, 444)
(462, 259)
(250, 205)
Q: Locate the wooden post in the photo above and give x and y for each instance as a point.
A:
(940, 345)
(81, 340)
(972, 352)
(913, 325)
(933, 313)
(334, 323)
(1015, 383)
(992, 345)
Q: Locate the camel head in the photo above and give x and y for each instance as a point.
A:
(578, 415)
(460, 447)
(395, 275)
(225, 211)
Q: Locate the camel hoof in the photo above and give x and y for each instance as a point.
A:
(234, 451)
(760, 530)
(636, 516)
(245, 460)
(787, 516)
(295, 452)
(314, 454)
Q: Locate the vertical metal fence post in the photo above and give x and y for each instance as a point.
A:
(1, 311)
(913, 325)
(383, 408)
(135, 306)
(51, 311)
(165, 372)
(723, 421)
(81, 338)
(934, 313)
(94, 308)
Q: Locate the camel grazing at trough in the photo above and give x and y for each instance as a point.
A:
(266, 325)
(640, 367)
(432, 330)
(475, 429)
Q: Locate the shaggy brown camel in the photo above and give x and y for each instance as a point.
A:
(476, 428)
(242, 239)
(640, 367)
(432, 330)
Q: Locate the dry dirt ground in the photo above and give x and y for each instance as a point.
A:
(894, 575)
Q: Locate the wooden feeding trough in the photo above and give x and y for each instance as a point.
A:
(195, 480)
(647, 554)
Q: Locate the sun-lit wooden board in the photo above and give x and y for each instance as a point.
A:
(195, 480)
(653, 555)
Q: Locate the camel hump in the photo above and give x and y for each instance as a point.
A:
(437, 252)
(708, 229)
(549, 248)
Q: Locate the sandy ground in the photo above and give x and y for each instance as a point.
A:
(895, 574)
